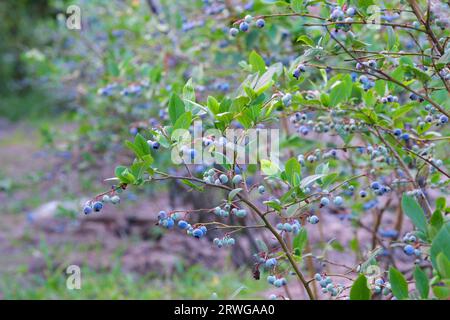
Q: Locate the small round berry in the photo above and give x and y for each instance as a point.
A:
(237, 179)
(87, 209)
(155, 145)
(170, 223)
(198, 233)
(363, 194)
(375, 185)
(260, 23)
(271, 279)
(379, 282)
(443, 119)
(243, 26)
(398, 132)
(97, 206)
(233, 32)
(106, 198)
(273, 297)
(313, 219)
(182, 224)
(261, 189)
(324, 201)
(248, 18)
(405, 136)
(270, 263)
(318, 277)
(115, 199)
(338, 201)
(241, 213)
(287, 227)
(223, 178)
(278, 283)
(408, 250)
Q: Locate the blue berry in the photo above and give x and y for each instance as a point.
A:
(261, 189)
(313, 219)
(405, 136)
(162, 214)
(443, 119)
(278, 283)
(97, 206)
(155, 145)
(115, 199)
(287, 227)
(204, 230)
(270, 263)
(271, 279)
(408, 250)
(260, 23)
(318, 277)
(234, 32)
(237, 179)
(182, 224)
(338, 201)
(375, 185)
(243, 26)
(198, 233)
(351, 11)
(87, 209)
(324, 201)
(398, 132)
(363, 194)
(223, 178)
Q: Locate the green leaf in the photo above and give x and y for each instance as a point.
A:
(176, 107)
(293, 171)
(360, 290)
(443, 266)
(441, 243)
(257, 62)
(192, 185)
(399, 285)
(413, 210)
(442, 292)
(183, 122)
(306, 40)
(297, 5)
(188, 91)
(300, 241)
(341, 91)
(268, 167)
(124, 175)
(417, 73)
(233, 193)
(310, 179)
(422, 284)
(213, 105)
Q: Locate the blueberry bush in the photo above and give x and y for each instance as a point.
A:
(359, 94)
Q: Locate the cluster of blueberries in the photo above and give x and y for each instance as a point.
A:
(327, 285)
(277, 282)
(316, 155)
(381, 286)
(227, 210)
(169, 222)
(224, 242)
(293, 226)
(338, 15)
(244, 26)
(97, 206)
(410, 249)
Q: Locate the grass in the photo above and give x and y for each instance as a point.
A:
(193, 283)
